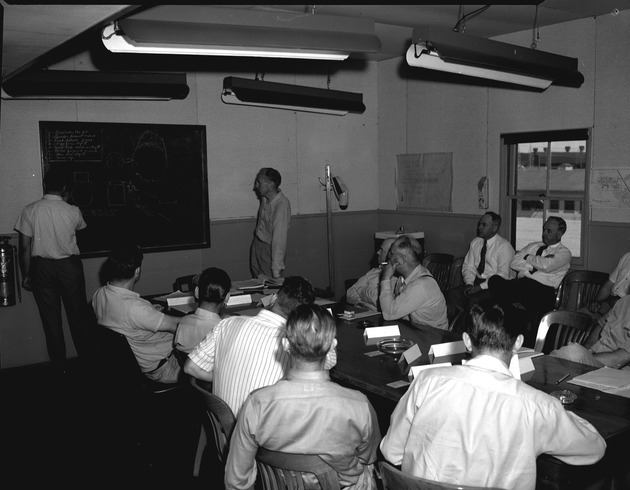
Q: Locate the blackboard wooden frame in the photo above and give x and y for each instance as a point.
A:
(147, 183)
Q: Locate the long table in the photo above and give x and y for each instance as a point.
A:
(609, 414)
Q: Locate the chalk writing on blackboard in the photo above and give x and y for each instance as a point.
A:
(68, 145)
(144, 182)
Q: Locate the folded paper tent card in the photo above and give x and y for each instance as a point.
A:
(372, 335)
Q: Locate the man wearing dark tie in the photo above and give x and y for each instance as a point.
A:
(540, 266)
(489, 254)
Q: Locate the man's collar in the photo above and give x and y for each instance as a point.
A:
(308, 375)
(493, 239)
(53, 197)
(485, 361)
(418, 271)
(275, 198)
(204, 312)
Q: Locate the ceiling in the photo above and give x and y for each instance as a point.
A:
(32, 33)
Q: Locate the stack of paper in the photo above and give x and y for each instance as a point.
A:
(609, 380)
(177, 298)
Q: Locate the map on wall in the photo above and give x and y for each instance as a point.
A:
(424, 181)
(610, 194)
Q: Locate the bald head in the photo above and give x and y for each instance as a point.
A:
(381, 254)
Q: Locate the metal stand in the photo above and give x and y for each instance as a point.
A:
(329, 228)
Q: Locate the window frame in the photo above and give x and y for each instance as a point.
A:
(509, 194)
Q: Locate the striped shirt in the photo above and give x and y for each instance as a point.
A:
(245, 353)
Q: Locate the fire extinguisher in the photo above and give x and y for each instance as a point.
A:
(8, 273)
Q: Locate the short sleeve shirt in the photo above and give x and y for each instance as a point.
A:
(52, 223)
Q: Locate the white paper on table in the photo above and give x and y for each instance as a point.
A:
(241, 299)
(373, 334)
(267, 300)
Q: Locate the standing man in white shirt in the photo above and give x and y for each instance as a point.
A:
(477, 425)
(52, 269)
(541, 266)
(272, 225)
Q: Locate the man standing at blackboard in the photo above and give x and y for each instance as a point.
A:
(52, 269)
(272, 225)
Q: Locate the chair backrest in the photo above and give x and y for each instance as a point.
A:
(184, 284)
(285, 471)
(439, 266)
(455, 276)
(394, 479)
(218, 419)
(119, 365)
(579, 288)
(559, 327)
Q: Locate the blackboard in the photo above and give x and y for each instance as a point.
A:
(141, 182)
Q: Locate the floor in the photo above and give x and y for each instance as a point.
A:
(72, 431)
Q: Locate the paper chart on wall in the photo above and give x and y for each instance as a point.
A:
(610, 194)
(424, 181)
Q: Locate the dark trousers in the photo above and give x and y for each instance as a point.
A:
(534, 296)
(54, 281)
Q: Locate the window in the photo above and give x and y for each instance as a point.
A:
(544, 174)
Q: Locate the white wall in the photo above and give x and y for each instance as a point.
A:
(468, 120)
(240, 140)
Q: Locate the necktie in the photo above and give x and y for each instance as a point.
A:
(400, 286)
(539, 252)
(482, 258)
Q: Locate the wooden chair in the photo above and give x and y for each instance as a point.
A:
(559, 327)
(455, 279)
(579, 288)
(284, 471)
(394, 479)
(439, 266)
(218, 422)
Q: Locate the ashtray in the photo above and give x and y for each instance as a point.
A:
(347, 315)
(566, 397)
(394, 346)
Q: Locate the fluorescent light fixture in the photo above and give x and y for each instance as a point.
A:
(483, 58)
(242, 91)
(211, 31)
(94, 85)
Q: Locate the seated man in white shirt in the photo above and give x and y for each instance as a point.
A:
(541, 266)
(365, 291)
(413, 294)
(477, 425)
(212, 293)
(489, 254)
(149, 331)
(612, 348)
(306, 413)
(617, 286)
